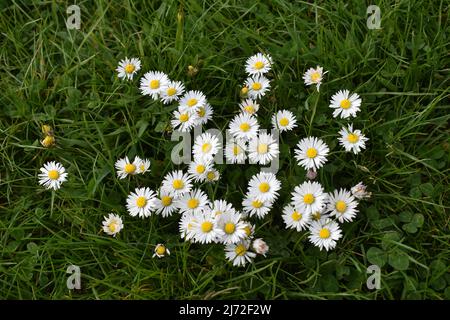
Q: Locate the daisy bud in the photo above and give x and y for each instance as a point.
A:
(311, 174)
(161, 251)
(192, 71)
(48, 141)
(47, 130)
(244, 91)
(260, 246)
(359, 191)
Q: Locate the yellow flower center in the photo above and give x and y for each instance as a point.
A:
(53, 174)
(192, 102)
(264, 187)
(257, 204)
(206, 147)
(296, 216)
(200, 168)
(284, 122)
(240, 250)
(341, 206)
(308, 198)
(142, 167)
(244, 127)
(171, 91)
(218, 212)
(192, 203)
(207, 226)
(256, 86)
(166, 201)
(311, 153)
(177, 184)
(201, 112)
(129, 68)
(112, 227)
(130, 168)
(324, 233)
(48, 141)
(315, 76)
(229, 228)
(236, 150)
(244, 90)
(184, 117)
(154, 84)
(141, 202)
(352, 138)
(250, 109)
(345, 104)
(211, 175)
(259, 65)
(262, 148)
(161, 249)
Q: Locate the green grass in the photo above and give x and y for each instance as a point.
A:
(67, 79)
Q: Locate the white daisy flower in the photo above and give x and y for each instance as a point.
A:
(284, 120)
(342, 205)
(309, 197)
(212, 175)
(249, 106)
(239, 254)
(352, 140)
(235, 151)
(249, 228)
(320, 215)
(311, 153)
(128, 68)
(260, 246)
(165, 204)
(125, 167)
(153, 83)
(324, 234)
(205, 146)
(219, 207)
(345, 105)
(258, 64)
(257, 86)
(172, 92)
(184, 121)
(176, 183)
(232, 226)
(141, 202)
(244, 126)
(295, 219)
(204, 114)
(143, 165)
(161, 251)
(199, 168)
(264, 186)
(262, 149)
(52, 175)
(359, 191)
(192, 101)
(112, 224)
(314, 76)
(187, 226)
(254, 207)
(206, 229)
(192, 202)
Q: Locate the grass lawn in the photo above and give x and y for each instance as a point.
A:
(67, 79)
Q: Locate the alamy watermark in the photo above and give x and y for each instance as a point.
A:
(74, 20)
(74, 280)
(374, 20)
(374, 281)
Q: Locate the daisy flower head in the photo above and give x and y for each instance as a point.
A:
(199, 168)
(232, 226)
(295, 219)
(352, 140)
(244, 126)
(309, 197)
(264, 186)
(52, 175)
(153, 83)
(254, 207)
(125, 167)
(235, 151)
(249, 106)
(176, 183)
(206, 229)
(204, 114)
(257, 85)
(192, 101)
(260, 246)
(342, 205)
(284, 120)
(220, 207)
(311, 153)
(262, 149)
(187, 226)
(161, 251)
(184, 121)
(359, 191)
(143, 165)
(172, 92)
(141, 202)
(344, 104)
(128, 68)
(212, 175)
(324, 234)
(206, 146)
(112, 224)
(314, 76)
(165, 204)
(239, 253)
(192, 202)
(258, 64)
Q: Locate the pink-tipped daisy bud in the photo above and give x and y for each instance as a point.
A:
(311, 174)
(359, 191)
(260, 246)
